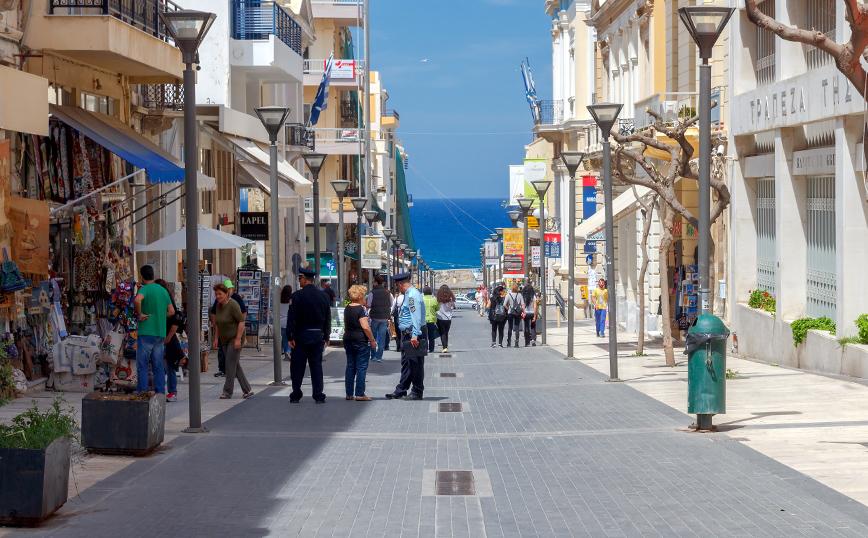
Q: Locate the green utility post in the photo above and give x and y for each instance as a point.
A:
(706, 369)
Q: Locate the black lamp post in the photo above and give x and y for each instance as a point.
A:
(705, 24)
(572, 160)
(387, 233)
(188, 29)
(372, 217)
(315, 162)
(484, 267)
(499, 232)
(340, 187)
(542, 186)
(525, 205)
(273, 119)
(411, 258)
(606, 114)
(359, 204)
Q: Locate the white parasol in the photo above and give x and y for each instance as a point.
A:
(209, 239)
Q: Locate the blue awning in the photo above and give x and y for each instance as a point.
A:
(123, 141)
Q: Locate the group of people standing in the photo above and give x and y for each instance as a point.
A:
(516, 308)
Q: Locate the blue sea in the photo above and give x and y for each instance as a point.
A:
(447, 233)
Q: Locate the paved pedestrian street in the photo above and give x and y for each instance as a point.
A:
(553, 450)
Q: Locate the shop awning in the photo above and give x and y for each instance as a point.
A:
(123, 141)
(327, 266)
(258, 177)
(256, 153)
(332, 217)
(623, 205)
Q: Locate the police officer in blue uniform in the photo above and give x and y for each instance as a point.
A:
(412, 328)
(308, 329)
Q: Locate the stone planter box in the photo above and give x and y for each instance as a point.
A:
(33, 483)
(122, 426)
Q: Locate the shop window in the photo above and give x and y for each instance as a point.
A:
(822, 287)
(766, 257)
(206, 202)
(765, 48)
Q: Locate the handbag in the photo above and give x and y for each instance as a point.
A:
(392, 329)
(111, 345)
(124, 374)
(10, 276)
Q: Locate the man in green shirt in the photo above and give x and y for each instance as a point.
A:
(153, 307)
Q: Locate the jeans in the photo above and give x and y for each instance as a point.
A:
(443, 325)
(600, 321)
(358, 354)
(149, 350)
(380, 328)
(285, 340)
(527, 332)
(233, 369)
(172, 378)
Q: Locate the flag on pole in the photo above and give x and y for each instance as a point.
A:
(529, 91)
(321, 101)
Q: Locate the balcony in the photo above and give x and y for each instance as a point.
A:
(300, 136)
(267, 41)
(390, 119)
(339, 141)
(349, 112)
(343, 12)
(675, 106)
(346, 74)
(550, 113)
(121, 36)
(162, 96)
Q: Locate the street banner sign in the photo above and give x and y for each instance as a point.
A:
(253, 226)
(492, 253)
(513, 241)
(513, 265)
(553, 245)
(371, 258)
(535, 256)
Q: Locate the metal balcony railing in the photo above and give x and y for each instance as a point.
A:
(141, 14)
(550, 112)
(258, 19)
(318, 66)
(337, 2)
(671, 106)
(300, 135)
(349, 112)
(338, 135)
(392, 114)
(162, 96)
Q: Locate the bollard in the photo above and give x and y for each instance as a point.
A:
(559, 317)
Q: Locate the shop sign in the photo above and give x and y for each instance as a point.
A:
(371, 258)
(590, 247)
(254, 226)
(818, 161)
(535, 256)
(513, 264)
(598, 236)
(553, 245)
(513, 241)
(344, 69)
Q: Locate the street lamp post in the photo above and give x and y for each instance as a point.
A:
(499, 232)
(411, 258)
(359, 205)
(542, 186)
(572, 160)
(606, 114)
(372, 217)
(314, 163)
(484, 268)
(340, 187)
(273, 119)
(495, 237)
(705, 24)
(396, 242)
(188, 29)
(525, 205)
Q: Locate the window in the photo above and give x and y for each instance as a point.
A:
(821, 273)
(765, 48)
(206, 201)
(765, 235)
(821, 17)
(98, 103)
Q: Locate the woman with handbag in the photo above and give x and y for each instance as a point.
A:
(446, 299)
(174, 354)
(528, 296)
(431, 308)
(497, 315)
(514, 310)
(358, 343)
(230, 336)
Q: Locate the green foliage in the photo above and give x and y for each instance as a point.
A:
(731, 374)
(762, 300)
(637, 354)
(801, 327)
(7, 382)
(35, 429)
(848, 340)
(687, 112)
(862, 324)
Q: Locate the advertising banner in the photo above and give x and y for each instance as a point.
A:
(589, 196)
(534, 256)
(513, 265)
(553, 245)
(371, 258)
(492, 253)
(516, 183)
(534, 170)
(513, 241)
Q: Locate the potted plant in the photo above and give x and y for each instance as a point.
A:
(35, 453)
(131, 424)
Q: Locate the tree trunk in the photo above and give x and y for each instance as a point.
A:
(647, 217)
(665, 243)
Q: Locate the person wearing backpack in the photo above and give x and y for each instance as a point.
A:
(497, 315)
(514, 309)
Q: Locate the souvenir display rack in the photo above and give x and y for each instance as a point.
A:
(265, 307)
(248, 283)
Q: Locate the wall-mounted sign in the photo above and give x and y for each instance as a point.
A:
(818, 161)
(553, 245)
(344, 69)
(253, 225)
(535, 256)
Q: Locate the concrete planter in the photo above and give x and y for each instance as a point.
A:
(854, 361)
(122, 426)
(33, 483)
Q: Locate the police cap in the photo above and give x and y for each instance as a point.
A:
(401, 276)
(307, 273)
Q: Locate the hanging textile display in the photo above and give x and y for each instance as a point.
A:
(30, 243)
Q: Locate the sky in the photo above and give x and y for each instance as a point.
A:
(452, 66)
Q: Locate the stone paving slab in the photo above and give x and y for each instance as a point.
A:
(565, 453)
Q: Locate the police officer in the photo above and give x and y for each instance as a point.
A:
(412, 329)
(308, 329)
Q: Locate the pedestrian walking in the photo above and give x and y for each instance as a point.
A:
(327, 289)
(173, 355)
(497, 315)
(308, 327)
(528, 315)
(533, 324)
(444, 314)
(221, 357)
(230, 335)
(380, 303)
(396, 310)
(153, 307)
(285, 301)
(431, 308)
(481, 301)
(359, 342)
(514, 309)
(411, 324)
(600, 299)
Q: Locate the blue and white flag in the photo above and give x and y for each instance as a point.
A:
(321, 101)
(529, 91)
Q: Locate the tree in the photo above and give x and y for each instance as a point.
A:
(847, 56)
(661, 180)
(647, 218)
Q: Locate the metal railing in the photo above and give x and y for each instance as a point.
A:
(550, 112)
(318, 66)
(671, 106)
(338, 135)
(300, 135)
(765, 47)
(258, 19)
(392, 114)
(337, 2)
(559, 301)
(349, 111)
(626, 126)
(141, 14)
(162, 96)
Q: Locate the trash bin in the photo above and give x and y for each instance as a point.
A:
(706, 369)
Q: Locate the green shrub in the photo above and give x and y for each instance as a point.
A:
(762, 300)
(862, 324)
(801, 327)
(848, 340)
(7, 382)
(35, 429)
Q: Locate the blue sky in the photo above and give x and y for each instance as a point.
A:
(470, 83)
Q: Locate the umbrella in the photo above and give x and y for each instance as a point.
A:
(209, 239)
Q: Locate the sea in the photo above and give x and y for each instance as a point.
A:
(450, 232)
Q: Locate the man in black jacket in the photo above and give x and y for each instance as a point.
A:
(308, 329)
(380, 308)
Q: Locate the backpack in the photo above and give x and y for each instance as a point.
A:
(515, 309)
(499, 312)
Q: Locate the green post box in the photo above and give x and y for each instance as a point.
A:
(706, 369)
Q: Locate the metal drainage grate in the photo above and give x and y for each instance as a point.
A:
(519, 368)
(454, 482)
(450, 407)
(448, 374)
(446, 355)
(728, 439)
